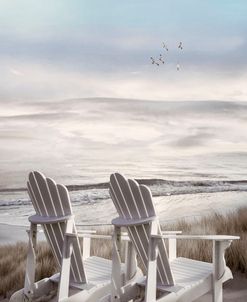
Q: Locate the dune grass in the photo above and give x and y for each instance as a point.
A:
(12, 266)
(234, 223)
(13, 257)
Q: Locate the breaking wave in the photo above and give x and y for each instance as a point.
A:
(94, 193)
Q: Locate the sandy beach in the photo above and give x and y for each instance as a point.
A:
(234, 290)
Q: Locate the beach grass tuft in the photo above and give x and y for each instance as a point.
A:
(13, 263)
(13, 257)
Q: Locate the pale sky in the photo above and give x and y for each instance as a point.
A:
(65, 49)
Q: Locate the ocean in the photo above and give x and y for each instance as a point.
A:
(192, 154)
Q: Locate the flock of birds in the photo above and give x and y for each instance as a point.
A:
(161, 59)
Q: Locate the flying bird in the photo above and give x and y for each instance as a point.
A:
(165, 46)
(152, 59)
(161, 59)
(154, 62)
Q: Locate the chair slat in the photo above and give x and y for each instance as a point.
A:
(33, 199)
(127, 197)
(64, 196)
(36, 193)
(45, 194)
(55, 196)
(125, 212)
(148, 201)
(138, 198)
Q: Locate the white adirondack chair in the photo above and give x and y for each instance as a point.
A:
(167, 278)
(81, 278)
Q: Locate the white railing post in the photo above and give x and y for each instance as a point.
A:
(63, 290)
(116, 281)
(31, 262)
(150, 292)
(130, 261)
(86, 242)
(172, 243)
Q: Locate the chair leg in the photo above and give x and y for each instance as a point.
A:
(219, 263)
(217, 291)
(130, 261)
(63, 289)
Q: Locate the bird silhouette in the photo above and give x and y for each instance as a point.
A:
(165, 46)
(180, 45)
(152, 59)
(154, 62)
(161, 59)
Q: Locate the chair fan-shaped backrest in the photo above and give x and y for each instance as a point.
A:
(52, 200)
(134, 201)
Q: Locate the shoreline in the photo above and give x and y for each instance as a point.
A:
(195, 186)
(91, 215)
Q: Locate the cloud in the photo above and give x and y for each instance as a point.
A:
(28, 80)
(195, 140)
(16, 72)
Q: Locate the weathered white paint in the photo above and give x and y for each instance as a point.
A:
(179, 279)
(92, 277)
(31, 262)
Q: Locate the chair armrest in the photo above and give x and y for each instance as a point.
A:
(124, 237)
(72, 235)
(94, 236)
(86, 231)
(87, 241)
(197, 237)
(124, 222)
(220, 244)
(171, 232)
(37, 219)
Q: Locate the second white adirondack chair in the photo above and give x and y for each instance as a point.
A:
(174, 279)
(81, 278)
